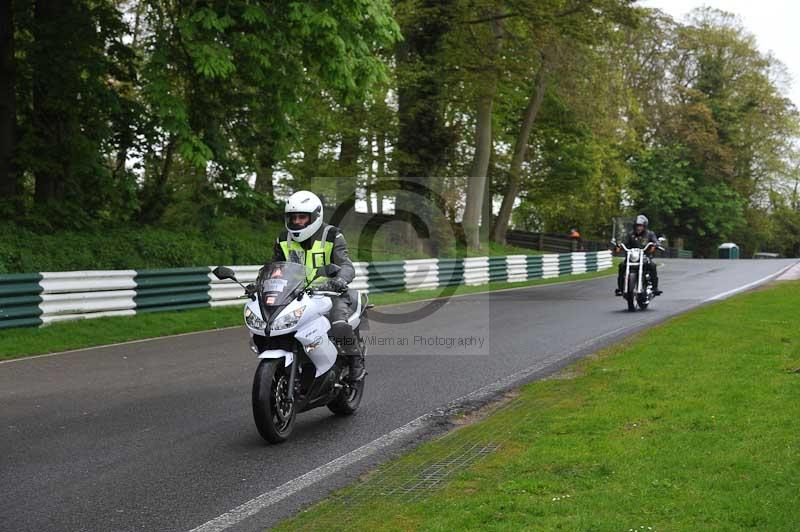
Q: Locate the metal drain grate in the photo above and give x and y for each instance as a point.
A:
(402, 481)
(411, 483)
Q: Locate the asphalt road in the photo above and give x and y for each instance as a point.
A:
(158, 435)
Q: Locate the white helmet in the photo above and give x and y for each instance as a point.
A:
(642, 220)
(303, 202)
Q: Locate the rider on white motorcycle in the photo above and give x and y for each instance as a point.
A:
(639, 238)
(309, 241)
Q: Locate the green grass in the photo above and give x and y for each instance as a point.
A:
(693, 425)
(63, 336)
(15, 343)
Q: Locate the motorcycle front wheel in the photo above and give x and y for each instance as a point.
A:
(630, 297)
(273, 413)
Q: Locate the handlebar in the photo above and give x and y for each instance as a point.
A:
(626, 248)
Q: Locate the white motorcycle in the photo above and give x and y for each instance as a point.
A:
(300, 366)
(637, 288)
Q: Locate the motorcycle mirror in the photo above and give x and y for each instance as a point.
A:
(223, 272)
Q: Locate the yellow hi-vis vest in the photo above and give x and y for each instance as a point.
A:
(319, 254)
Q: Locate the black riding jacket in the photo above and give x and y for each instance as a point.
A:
(640, 241)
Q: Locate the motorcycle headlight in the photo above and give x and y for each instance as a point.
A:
(254, 321)
(635, 255)
(289, 320)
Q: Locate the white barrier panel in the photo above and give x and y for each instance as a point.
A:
(362, 277)
(86, 281)
(82, 294)
(421, 274)
(517, 268)
(579, 262)
(476, 271)
(227, 292)
(605, 260)
(549, 266)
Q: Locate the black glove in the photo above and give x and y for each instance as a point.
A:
(250, 290)
(334, 285)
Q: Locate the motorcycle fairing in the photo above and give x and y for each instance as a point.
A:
(314, 338)
(279, 353)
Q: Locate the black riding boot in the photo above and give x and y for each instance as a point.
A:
(357, 369)
(654, 280)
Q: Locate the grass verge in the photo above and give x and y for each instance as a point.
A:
(16, 343)
(693, 425)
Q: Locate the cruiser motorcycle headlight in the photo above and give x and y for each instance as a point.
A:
(636, 255)
(289, 320)
(254, 321)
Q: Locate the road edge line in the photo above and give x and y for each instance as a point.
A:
(727, 294)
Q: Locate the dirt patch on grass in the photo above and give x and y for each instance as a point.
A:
(468, 418)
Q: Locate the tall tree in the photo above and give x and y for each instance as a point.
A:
(521, 149)
(476, 188)
(8, 103)
(424, 140)
(553, 26)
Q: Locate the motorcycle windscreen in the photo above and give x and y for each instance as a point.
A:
(279, 282)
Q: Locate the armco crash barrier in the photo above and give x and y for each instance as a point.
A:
(41, 298)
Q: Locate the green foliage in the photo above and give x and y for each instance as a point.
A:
(170, 114)
(123, 104)
(227, 241)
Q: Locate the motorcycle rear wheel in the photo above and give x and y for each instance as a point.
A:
(273, 413)
(346, 403)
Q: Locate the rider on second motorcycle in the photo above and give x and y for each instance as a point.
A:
(639, 238)
(309, 241)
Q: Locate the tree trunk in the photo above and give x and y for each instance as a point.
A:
(520, 151)
(347, 174)
(483, 144)
(264, 173)
(424, 141)
(379, 196)
(476, 185)
(155, 193)
(8, 104)
(370, 173)
(486, 210)
(54, 114)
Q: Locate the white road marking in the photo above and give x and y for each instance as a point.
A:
(33, 357)
(742, 288)
(792, 274)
